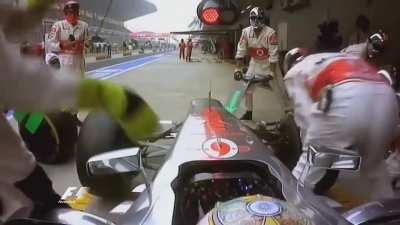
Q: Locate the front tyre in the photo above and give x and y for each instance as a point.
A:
(101, 134)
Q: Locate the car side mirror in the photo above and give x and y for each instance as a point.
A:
(124, 161)
(333, 158)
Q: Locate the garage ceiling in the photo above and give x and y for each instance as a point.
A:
(243, 3)
(121, 9)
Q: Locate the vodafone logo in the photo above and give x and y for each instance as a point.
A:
(220, 148)
(260, 52)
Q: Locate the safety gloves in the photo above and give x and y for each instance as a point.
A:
(133, 114)
(238, 74)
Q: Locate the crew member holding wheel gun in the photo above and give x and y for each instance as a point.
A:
(27, 85)
(69, 38)
(342, 101)
(260, 42)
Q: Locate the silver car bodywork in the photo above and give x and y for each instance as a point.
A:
(207, 122)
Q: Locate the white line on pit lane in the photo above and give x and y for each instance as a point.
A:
(129, 61)
(129, 69)
(100, 72)
(102, 75)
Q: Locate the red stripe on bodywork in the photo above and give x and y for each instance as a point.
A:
(214, 123)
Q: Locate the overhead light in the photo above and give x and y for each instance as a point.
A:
(214, 12)
(211, 16)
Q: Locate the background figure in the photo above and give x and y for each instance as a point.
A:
(260, 43)
(109, 50)
(329, 40)
(70, 37)
(189, 47)
(124, 47)
(182, 49)
(362, 30)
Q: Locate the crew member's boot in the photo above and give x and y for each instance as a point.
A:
(247, 116)
(39, 188)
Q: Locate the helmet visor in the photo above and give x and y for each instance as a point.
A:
(71, 9)
(256, 21)
(254, 17)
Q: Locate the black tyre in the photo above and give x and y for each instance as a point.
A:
(290, 148)
(54, 142)
(100, 134)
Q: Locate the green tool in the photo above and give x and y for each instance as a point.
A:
(234, 101)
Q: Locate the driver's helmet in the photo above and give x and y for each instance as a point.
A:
(257, 17)
(254, 210)
(376, 44)
(293, 57)
(71, 6)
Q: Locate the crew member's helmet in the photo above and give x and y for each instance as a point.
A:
(257, 17)
(293, 57)
(71, 6)
(376, 44)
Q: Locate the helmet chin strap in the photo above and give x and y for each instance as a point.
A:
(258, 27)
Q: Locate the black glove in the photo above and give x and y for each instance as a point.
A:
(238, 75)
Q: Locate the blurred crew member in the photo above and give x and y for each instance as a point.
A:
(260, 42)
(27, 85)
(341, 101)
(69, 38)
(189, 47)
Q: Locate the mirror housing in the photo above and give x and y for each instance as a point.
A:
(123, 161)
(333, 158)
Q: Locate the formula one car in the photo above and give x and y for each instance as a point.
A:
(218, 172)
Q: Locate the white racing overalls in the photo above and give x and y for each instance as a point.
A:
(357, 50)
(25, 84)
(363, 113)
(263, 50)
(72, 59)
